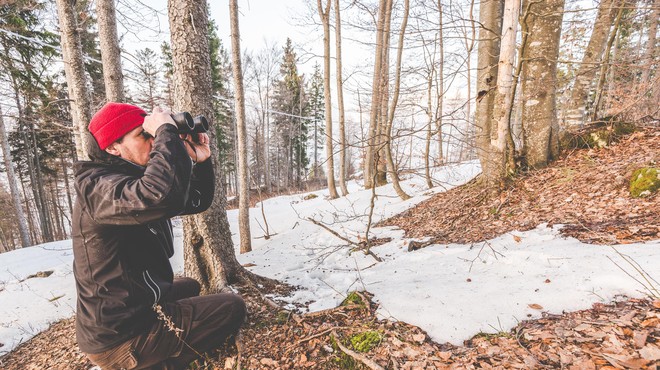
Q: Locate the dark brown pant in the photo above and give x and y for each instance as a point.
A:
(206, 321)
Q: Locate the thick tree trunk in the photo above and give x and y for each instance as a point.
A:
(324, 13)
(577, 109)
(208, 250)
(490, 18)
(340, 104)
(74, 69)
(504, 96)
(239, 104)
(539, 82)
(395, 100)
(13, 187)
(110, 52)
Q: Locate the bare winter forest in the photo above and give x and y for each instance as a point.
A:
(377, 93)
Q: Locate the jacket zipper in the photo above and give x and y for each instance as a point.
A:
(156, 291)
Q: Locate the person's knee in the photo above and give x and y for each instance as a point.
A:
(239, 309)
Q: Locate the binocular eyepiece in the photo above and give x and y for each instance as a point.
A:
(186, 124)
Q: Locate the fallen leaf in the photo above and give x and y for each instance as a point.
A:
(547, 281)
(517, 238)
(419, 338)
(650, 352)
(656, 303)
(639, 338)
(535, 306)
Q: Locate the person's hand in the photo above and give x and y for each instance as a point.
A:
(156, 119)
(200, 150)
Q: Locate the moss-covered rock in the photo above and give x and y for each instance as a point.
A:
(365, 341)
(644, 182)
(598, 135)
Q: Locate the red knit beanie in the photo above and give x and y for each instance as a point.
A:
(114, 121)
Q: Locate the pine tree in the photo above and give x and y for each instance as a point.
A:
(317, 114)
(291, 129)
(149, 93)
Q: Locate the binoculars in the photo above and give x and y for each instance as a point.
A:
(186, 124)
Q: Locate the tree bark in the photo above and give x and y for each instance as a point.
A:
(340, 104)
(208, 250)
(395, 100)
(606, 61)
(490, 18)
(110, 51)
(503, 101)
(74, 69)
(651, 51)
(369, 164)
(239, 104)
(13, 187)
(577, 109)
(381, 136)
(324, 13)
(440, 83)
(539, 82)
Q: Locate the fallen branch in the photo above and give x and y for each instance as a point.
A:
(358, 246)
(367, 362)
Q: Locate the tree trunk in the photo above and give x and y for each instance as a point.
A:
(490, 18)
(504, 95)
(651, 51)
(539, 82)
(340, 104)
(208, 250)
(369, 163)
(13, 187)
(110, 52)
(605, 64)
(381, 137)
(74, 69)
(239, 104)
(325, 19)
(395, 100)
(440, 84)
(577, 108)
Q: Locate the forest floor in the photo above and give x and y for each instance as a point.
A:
(586, 189)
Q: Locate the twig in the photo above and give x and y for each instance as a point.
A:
(289, 348)
(367, 362)
(333, 232)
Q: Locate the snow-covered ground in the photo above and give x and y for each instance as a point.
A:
(451, 291)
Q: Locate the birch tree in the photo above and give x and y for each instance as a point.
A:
(13, 187)
(239, 104)
(324, 14)
(395, 99)
(577, 110)
(490, 19)
(340, 103)
(503, 100)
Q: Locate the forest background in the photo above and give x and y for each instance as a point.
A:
(421, 84)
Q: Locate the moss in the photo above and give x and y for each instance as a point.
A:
(283, 317)
(342, 360)
(310, 196)
(353, 298)
(364, 342)
(644, 182)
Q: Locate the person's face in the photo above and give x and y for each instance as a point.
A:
(135, 146)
